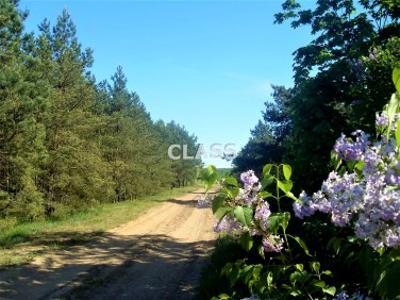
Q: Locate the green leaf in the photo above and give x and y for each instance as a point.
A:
(209, 176)
(244, 215)
(267, 169)
(278, 220)
(327, 273)
(287, 171)
(398, 133)
(315, 266)
(359, 166)
(264, 194)
(335, 244)
(300, 267)
(230, 191)
(261, 251)
(270, 279)
(267, 180)
(285, 186)
(218, 202)
(246, 241)
(320, 284)
(231, 181)
(295, 277)
(388, 285)
(247, 273)
(274, 222)
(301, 243)
(285, 220)
(330, 291)
(396, 79)
(222, 211)
(293, 197)
(295, 292)
(391, 109)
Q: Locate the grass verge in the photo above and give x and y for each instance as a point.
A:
(20, 243)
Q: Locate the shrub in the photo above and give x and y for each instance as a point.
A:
(362, 238)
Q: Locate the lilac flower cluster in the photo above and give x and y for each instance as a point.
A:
(262, 214)
(272, 243)
(367, 200)
(348, 149)
(382, 120)
(248, 196)
(229, 225)
(203, 203)
(356, 296)
(249, 179)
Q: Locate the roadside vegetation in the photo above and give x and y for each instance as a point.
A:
(341, 242)
(21, 242)
(312, 208)
(341, 79)
(68, 141)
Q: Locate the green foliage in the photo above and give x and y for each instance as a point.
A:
(67, 142)
(266, 142)
(185, 171)
(320, 260)
(209, 177)
(287, 274)
(342, 77)
(71, 227)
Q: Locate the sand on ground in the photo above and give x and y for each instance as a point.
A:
(159, 255)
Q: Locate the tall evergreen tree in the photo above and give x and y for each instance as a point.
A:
(74, 171)
(22, 97)
(66, 142)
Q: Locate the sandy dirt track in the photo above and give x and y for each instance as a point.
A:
(159, 255)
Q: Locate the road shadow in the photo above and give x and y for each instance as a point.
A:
(114, 266)
(202, 193)
(190, 203)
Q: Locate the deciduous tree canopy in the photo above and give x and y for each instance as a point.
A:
(342, 77)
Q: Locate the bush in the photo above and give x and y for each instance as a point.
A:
(345, 242)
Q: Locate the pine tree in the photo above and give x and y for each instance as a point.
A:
(129, 142)
(66, 142)
(22, 98)
(74, 172)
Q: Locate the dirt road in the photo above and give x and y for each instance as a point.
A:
(160, 255)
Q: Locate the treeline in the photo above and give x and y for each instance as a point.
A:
(342, 77)
(67, 141)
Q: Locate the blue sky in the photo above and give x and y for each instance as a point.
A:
(205, 64)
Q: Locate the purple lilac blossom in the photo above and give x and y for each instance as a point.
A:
(356, 296)
(203, 203)
(303, 209)
(348, 149)
(249, 179)
(341, 296)
(369, 201)
(272, 243)
(229, 226)
(248, 196)
(262, 214)
(381, 120)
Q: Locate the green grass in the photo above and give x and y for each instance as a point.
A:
(20, 243)
(224, 171)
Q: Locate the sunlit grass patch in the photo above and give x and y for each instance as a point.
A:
(20, 243)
